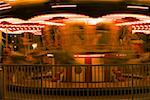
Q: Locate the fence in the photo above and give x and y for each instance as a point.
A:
(42, 82)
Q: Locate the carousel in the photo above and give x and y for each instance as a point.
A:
(57, 40)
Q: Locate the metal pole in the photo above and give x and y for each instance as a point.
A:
(4, 92)
(41, 70)
(1, 37)
(1, 82)
(6, 39)
(132, 83)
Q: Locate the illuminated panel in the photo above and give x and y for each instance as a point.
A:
(64, 6)
(138, 7)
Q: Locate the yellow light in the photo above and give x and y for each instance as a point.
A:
(138, 7)
(24, 2)
(63, 6)
(123, 15)
(12, 0)
(49, 16)
(34, 45)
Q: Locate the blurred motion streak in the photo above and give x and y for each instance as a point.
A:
(4, 6)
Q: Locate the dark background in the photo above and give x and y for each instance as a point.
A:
(91, 8)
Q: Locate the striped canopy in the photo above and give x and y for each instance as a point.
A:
(21, 28)
(4, 6)
(18, 26)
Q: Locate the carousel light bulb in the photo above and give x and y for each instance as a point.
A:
(134, 28)
(34, 45)
(15, 46)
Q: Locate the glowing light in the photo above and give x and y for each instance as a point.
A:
(138, 7)
(90, 21)
(1, 1)
(18, 29)
(63, 6)
(98, 55)
(39, 22)
(34, 45)
(12, 20)
(140, 27)
(25, 2)
(24, 26)
(120, 16)
(141, 31)
(90, 55)
(18, 26)
(146, 27)
(50, 23)
(50, 16)
(15, 46)
(11, 0)
(50, 55)
(94, 21)
(96, 0)
(134, 28)
(132, 23)
(4, 6)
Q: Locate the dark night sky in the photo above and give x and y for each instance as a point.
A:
(92, 9)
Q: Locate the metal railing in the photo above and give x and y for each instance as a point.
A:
(51, 82)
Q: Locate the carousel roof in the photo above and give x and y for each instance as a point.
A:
(92, 8)
(18, 26)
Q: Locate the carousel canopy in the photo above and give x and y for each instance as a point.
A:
(18, 26)
(126, 15)
(37, 23)
(26, 9)
(57, 16)
(138, 26)
(4, 6)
